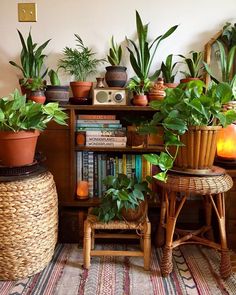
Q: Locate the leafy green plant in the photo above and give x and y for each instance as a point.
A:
(80, 62)
(142, 55)
(115, 53)
(187, 105)
(194, 64)
(226, 67)
(16, 114)
(167, 69)
(31, 57)
(228, 36)
(139, 87)
(122, 192)
(35, 84)
(54, 79)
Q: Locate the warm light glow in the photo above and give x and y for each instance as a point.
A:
(226, 143)
(82, 189)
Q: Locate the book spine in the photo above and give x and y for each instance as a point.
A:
(95, 175)
(97, 122)
(124, 159)
(106, 139)
(96, 117)
(85, 166)
(103, 133)
(128, 165)
(98, 128)
(104, 172)
(133, 165)
(97, 125)
(90, 173)
(100, 175)
(105, 144)
(138, 167)
(79, 166)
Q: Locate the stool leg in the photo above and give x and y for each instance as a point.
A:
(166, 262)
(208, 216)
(160, 237)
(92, 238)
(87, 244)
(147, 246)
(225, 265)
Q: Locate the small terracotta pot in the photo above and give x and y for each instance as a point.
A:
(140, 100)
(186, 80)
(81, 89)
(17, 148)
(37, 96)
(171, 85)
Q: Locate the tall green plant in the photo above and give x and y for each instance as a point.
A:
(194, 64)
(227, 60)
(31, 57)
(167, 69)
(80, 62)
(142, 55)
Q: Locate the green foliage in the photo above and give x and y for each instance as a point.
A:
(226, 67)
(142, 55)
(80, 62)
(139, 87)
(167, 69)
(194, 64)
(16, 114)
(228, 36)
(31, 57)
(122, 192)
(188, 105)
(115, 53)
(35, 84)
(54, 79)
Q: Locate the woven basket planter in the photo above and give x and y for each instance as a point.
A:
(199, 148)
(28, 225)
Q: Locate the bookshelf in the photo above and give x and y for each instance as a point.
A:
(58, 143)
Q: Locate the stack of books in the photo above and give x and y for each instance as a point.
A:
(100, 131)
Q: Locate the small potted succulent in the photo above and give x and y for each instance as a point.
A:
(125, 198)
(191, 116)
(139, 90)
(80, 63)
(21, 122)
(56, 92)
(31, 60)
(116, 75)
(194, 66)
(168, 72)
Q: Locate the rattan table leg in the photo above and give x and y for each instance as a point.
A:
(208, 216)
(160, 236)
(92, 238)
(87, 244)
(147, 246)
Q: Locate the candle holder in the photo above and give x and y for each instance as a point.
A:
(82, 190)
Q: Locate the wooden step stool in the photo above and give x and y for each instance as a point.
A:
(143, 232)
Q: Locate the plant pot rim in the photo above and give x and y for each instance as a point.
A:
(21, 133)
(203, 127)
(81, 82)
(57, 86)
(116, 67)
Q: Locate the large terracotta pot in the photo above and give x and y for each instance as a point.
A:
(116, 76)
(198, 153)
(17, 148)
(81, 89)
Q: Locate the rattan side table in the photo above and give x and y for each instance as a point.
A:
(175, 193)
(142, 232)
(28, 223)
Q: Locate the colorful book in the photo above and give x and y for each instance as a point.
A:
(105, 144)
(90, 173)
(97, 122)
(106, 133)
(97, 125)
(96, 117)
(91, 138)
(95, 175)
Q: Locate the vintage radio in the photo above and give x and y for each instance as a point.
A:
(110, 96)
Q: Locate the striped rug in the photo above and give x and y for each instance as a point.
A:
(196, 271)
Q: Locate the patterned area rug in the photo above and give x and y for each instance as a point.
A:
(195, 272)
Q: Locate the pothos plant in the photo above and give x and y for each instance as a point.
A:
(187, 105)
(121, 192)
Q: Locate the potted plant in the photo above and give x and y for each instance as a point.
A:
(140, 90)
(123, 199)
(56, 92)
(189, 113)
(168, 72)
(31, 59)
(142, 55)
(194, 65)
(20, 126)
(116, 75)
(37, 87)
(80, 63)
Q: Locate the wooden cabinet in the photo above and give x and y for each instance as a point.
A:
(58, 144)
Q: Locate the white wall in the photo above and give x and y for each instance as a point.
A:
(96, 21)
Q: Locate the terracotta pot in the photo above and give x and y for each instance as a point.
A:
(199, 149)
(17, 148)
(140, 100)
(81, 89)
(57, 93)
(171, 85)
(135, 214)
(37, 96)
(186, 80)
(116, 76)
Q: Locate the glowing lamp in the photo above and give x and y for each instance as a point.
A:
(82, 189)
(226, 143)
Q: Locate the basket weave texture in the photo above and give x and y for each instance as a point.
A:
(198, 185)
(28, 225)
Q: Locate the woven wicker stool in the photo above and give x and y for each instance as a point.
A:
(28, 225)
(91, 224)
(175, 192)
